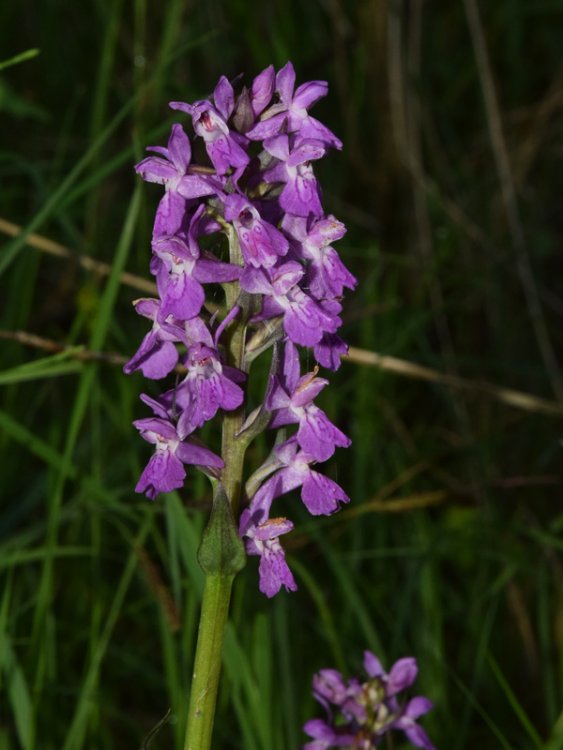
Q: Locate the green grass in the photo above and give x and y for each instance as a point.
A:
(100, 589)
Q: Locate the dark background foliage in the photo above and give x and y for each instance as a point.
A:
(450, 186)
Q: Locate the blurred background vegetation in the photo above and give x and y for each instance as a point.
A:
(450, 185)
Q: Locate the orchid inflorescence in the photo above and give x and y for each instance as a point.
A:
(360, 714)
(282, 283)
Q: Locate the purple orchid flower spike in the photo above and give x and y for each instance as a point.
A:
(301, 194)
(165, 470)
(171, 170)
(261, 243)
(222, 146)
(304, 320)
(157, 356)
(283, 285)
(290, 113)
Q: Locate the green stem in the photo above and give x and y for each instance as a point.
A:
(207, 667)
(217, 589)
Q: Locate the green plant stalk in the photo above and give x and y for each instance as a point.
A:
(217, 587)
(207, 666)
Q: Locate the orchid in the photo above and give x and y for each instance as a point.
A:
(244, 264)
(165, 470)
(282, 284)
(171, 169)
(360, 714)
(283, 274)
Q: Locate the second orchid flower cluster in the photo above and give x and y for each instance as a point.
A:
(253, 183)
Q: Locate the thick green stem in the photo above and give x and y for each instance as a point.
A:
(219, 580)
(207, 667)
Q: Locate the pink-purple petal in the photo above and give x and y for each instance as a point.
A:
(262, 89)
(154, 169)
(301, 196)
(309, 93)
(285, 83)
(163, 473)
(402, 675)
(155, 358)
(274, 571)
(199, 455)
(321, 495)
(183, 297)
(179, 148)
(224, 97)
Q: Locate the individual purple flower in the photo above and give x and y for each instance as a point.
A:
(291, 400)
(180, 276)
(320, 495)
(414, 709)
(327, 275)
(301, 193)
(290, 113)
(367, 711)
(304, 320)
(261, 243)
(262, 539)
(165, 470)
(329, 687)
(171, 170)
(210, 123)
(205, 389)
(157, 355)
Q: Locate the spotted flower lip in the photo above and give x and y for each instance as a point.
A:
(327, 275)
